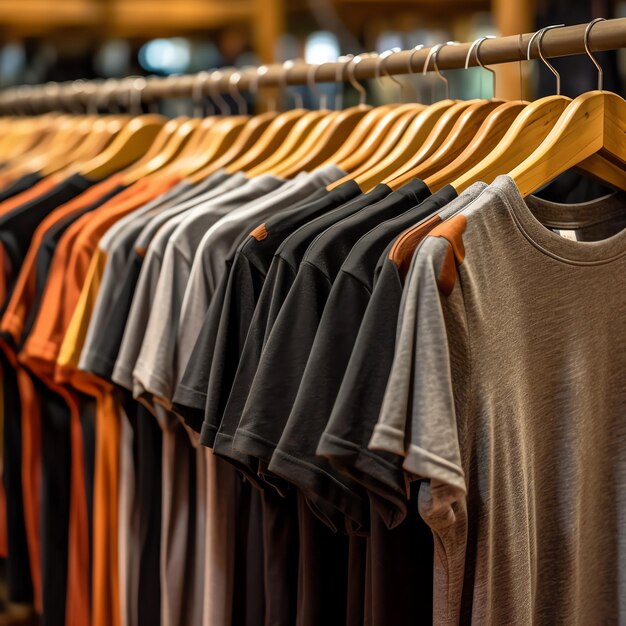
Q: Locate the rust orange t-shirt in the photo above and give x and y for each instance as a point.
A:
(13, 324)
(41, 348)
(40, 351)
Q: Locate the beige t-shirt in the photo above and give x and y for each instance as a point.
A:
(508, 396)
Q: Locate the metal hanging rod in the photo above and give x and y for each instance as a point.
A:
(557, 42)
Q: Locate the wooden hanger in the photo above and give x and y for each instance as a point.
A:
(271, 152)
(480, 147)
(187, 156)
(422, 137)
(390, 143)
(310, 124)
(247, 138)
(170, 151)
(218, 139)
(73, 133)
(488, 136)
(362, 144)
(216, 142)
(462, 133)
(24, 138)
(524, 136)
(133, 141)
(349, 158)
(317, 149)
(282, 137)
(592, 125)
(103, 131)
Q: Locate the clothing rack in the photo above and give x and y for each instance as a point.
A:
(557, 42)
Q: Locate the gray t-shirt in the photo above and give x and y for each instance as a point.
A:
(507, 397)
(151, 374)
(118, 243)
(158, 240)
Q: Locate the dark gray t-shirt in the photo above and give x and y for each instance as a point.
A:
(289, 343)
(295, 456)
(278, 281)
(213, 362)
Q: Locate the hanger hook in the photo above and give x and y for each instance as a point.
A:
(434, 53)
(233, 81)
(588, 50)
(261, 71)
(540, 34)
(253, 83)
(350, 68)
(382, 65)
(476, 45)
(215, 77)
(103, 96)
(119, 91)
(197, 95)
(137, 86)
(415, 50)
(311, 82)
(296, 95)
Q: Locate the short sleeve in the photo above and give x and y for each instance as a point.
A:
(282, 364)
(432, 448)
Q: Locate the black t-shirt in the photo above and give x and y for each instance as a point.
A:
(17, 226)
(246, 282)
(108, 345)
(295, 456)
(286, 352)
(214, 360)
(278, 282)
(21, 184)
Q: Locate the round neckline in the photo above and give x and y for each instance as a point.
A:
(576, 252)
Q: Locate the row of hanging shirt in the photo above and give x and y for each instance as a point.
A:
(311, 368)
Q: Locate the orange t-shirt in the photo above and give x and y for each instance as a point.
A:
(13, 323)
(62, 292)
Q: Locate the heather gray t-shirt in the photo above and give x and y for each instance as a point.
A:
(154, 372)
(507, 397)
(158, 240)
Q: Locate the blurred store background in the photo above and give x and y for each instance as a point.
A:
(60, 40)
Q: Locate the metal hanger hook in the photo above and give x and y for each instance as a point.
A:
(233, 81)
(350, 68)
(137, 86)
(540, 34)
(197, 95)
(296, 95)
(261, 71)
(417, 48)
(434, 53)
(72, 97)
(588, 50)
(382, 65)
(215, 77)
(106, 96)
(476, 45)
(311, 82)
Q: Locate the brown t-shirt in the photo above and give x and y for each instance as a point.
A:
(507, 398)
